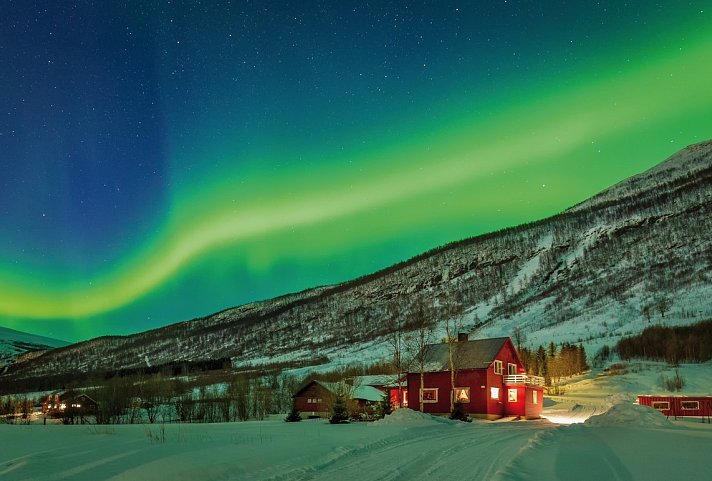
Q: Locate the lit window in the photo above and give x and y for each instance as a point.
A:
(661, 405)
(535, 397)
(318, 400)
(494, 392)
(462, 394)
(512, 395)
(429, 395)
(690, 405)
(498, 367)
(405, 399)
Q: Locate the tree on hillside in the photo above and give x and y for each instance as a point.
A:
(453, 323)
(418, 342)
(339, 413)
(396, 341)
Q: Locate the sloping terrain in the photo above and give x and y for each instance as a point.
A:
(19, 346)
(638, 253)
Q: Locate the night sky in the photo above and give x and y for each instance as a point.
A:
(165, 160)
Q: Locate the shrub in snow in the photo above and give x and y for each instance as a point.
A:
(458, 413)
(675, 383)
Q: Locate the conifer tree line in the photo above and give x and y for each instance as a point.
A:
(671, 344)
(554, 363)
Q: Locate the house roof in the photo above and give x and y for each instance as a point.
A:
(332, 387)
(376, 380)
(477, 354)
(367, 393)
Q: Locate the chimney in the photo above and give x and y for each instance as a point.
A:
(462, 337)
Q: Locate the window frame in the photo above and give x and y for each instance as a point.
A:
(494, 393)
(511, 369)
(535, 396)
(498, 367)
(684, 408)
(655, 404)
(466, 389)
(510, 398)
(429, 389)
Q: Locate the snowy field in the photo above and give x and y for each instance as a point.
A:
(623, 442)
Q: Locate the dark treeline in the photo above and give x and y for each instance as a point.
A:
(671, 344)
(65, 381)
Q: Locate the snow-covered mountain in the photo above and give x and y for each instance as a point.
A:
(635, 254)
(16, 345)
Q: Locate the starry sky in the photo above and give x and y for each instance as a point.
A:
(163, 160)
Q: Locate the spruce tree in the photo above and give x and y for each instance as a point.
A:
(339, 414)
(384, 406)
(293, 416)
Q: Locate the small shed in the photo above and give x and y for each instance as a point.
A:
(395, 385)
(679, 406)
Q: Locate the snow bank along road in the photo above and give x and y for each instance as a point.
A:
(407, 446)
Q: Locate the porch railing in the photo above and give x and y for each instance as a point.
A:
(525, 379)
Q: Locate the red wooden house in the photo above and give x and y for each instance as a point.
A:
(490, 381)
(315, 398)
(679, 406)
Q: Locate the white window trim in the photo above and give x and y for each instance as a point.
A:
(498, 367)
(429, 401)
(469, 397)
(666, 403)
(682, 406)
(535, 396)
(511, 371)
(494, 390)
(509, 395)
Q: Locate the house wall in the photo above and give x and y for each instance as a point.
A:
(508, 355)
(518, 407)
(395, 401)
(314, 391)
(472, 378)
(533, 411)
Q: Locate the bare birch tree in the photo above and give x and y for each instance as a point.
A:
(422, 336)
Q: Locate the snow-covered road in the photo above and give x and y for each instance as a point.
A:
(626, 442)
(406, 448)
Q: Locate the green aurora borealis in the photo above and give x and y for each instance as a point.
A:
(318, 195)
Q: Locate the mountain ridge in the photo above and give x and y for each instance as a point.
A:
(19, 345)
(597, 268)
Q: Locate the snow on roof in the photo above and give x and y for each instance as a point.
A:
(367, 393)
(477, 354)
(376, 380)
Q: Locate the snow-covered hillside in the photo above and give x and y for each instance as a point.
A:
(16, 345)
(625, 442)
(637, 254)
